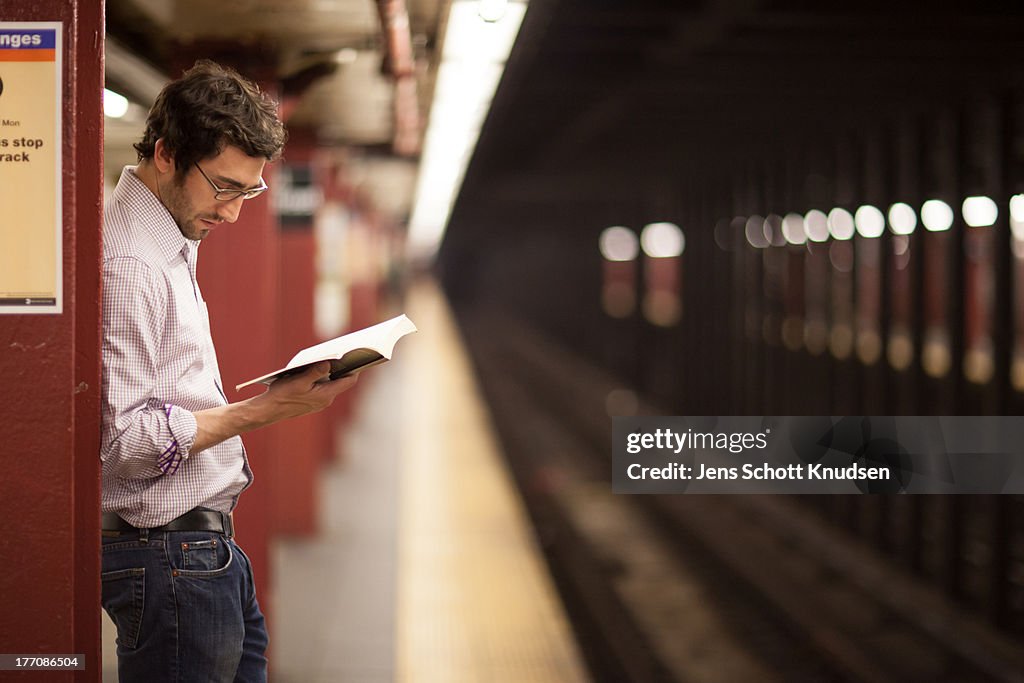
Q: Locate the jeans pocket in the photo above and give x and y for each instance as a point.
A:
(201, 555)
(124, 597)
(206, 558)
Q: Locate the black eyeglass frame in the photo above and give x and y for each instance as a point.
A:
(229, 195)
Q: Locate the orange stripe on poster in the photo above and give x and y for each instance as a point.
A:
(28, 55)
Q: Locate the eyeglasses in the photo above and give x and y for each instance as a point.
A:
(228, 195)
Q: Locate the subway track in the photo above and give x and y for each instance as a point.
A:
(706, 588)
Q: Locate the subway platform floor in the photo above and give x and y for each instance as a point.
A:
(424, 567)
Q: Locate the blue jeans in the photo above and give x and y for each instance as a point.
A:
(185, 608)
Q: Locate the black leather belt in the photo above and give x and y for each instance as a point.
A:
(199, 519)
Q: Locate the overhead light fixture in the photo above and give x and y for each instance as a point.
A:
(123, 66)
(115, 106)
(472, 62)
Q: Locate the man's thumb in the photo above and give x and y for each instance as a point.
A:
(319, 369)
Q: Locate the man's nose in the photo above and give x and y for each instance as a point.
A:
(228, 211)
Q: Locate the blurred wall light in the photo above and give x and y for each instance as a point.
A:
(725, 232)
(1017, 246)
(472, 62)
(816, 225)
(1017, 373)
(840, 341)
(662, 240)
(870, 221)
(663, 243)
(979, 212)
(936, 215)
(754, 231)
(936, 357)
(1017, 208)
(773, 230)
(900, 350)
(619, 246)
(1017, 216)
(902, 218)
(618, 243)
(979, 363)
(793, 228)
(115, 106)
(840, 224)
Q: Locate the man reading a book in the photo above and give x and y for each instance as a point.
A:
(176, 585)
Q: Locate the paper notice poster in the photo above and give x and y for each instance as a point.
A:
(30, 167)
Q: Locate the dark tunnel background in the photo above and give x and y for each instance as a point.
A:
(706, 114)
(733, 120)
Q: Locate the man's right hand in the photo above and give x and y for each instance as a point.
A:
(309, 391)
(288, 397)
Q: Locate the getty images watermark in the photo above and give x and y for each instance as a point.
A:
(818, 455)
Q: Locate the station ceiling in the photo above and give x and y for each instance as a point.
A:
(606, 101)
(329, 54)
(612, 103)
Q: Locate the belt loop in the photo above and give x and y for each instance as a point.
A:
(229, 524)
(143, 535)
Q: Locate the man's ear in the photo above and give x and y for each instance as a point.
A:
(163, 157)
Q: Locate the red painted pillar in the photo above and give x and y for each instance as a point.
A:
(339, 237)
(364, 273)
(366, 276)
(299, 443)
(49, 406)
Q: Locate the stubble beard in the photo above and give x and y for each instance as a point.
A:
(176, 201)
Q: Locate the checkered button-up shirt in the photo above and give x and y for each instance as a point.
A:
(159, 365)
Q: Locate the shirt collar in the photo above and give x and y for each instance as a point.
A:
(132, 193)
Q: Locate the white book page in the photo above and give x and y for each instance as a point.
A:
(379, 339)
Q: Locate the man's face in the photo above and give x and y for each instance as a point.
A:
(191, 200)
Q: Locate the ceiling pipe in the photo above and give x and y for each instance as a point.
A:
(394, 20)
(400, 63)
(130, 74)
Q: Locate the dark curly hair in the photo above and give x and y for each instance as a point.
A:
(207, 109)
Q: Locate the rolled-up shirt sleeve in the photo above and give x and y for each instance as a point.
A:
(143, 435)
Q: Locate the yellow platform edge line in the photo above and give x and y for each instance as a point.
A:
(474, 600)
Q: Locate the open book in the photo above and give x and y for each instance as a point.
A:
(348, 354)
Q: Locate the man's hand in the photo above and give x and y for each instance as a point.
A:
(307, 392)
(301, 394)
